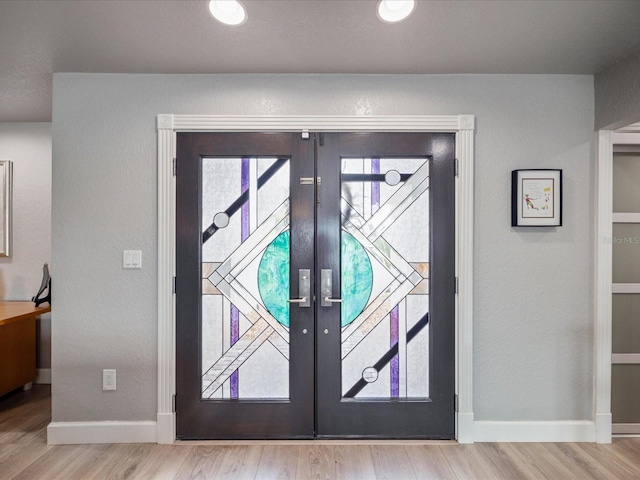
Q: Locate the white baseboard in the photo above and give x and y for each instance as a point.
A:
(551, 431)
(162, 431)
(43, 376)
(65, 433)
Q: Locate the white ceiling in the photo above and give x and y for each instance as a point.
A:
(38, 38)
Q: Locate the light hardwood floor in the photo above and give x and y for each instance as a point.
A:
(24, 454)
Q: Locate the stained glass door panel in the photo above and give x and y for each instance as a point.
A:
(385, 278)
(385, 227)
(245, 365)
(245, 278)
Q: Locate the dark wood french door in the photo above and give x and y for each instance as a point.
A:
(315, 285)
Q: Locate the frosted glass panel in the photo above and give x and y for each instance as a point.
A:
(625, 391)
(626, 178)
(245, 278)
(626, 253)
(626, 323)
(385, 278)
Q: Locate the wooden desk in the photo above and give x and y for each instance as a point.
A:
(18, 344)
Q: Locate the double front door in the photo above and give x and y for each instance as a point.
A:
(315, 285)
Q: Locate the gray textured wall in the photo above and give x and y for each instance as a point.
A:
(533, 319)
(617, 94)
(28, 145)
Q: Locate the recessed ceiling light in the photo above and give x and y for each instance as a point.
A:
(229, 12)
(395, 10)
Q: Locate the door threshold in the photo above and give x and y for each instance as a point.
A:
(344, 441)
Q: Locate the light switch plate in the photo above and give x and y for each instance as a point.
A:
(132, 259)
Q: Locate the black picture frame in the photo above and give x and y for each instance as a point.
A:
(536, 198)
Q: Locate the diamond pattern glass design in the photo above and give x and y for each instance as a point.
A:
(385, 278)
(245, 278)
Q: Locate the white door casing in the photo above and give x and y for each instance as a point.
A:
(464, 128)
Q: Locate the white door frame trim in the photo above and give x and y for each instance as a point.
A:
(604, 287)
(464, 128)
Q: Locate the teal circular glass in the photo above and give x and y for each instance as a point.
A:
(356, 278)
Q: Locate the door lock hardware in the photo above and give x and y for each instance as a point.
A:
(326, 288)
(331, 300)
(304, 289)
(299, 300)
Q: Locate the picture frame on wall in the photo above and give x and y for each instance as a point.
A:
(6, 186)
(536, 198)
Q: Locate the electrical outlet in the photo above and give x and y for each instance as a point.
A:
(108, 379)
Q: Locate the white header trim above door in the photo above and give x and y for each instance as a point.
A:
(248, 123)
(464, 128)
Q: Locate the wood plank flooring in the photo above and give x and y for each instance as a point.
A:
(25, 455)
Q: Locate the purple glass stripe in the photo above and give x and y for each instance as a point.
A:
(395, 361)
(375, 186)
(244, 234)
(244, 212)
(235, 334)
